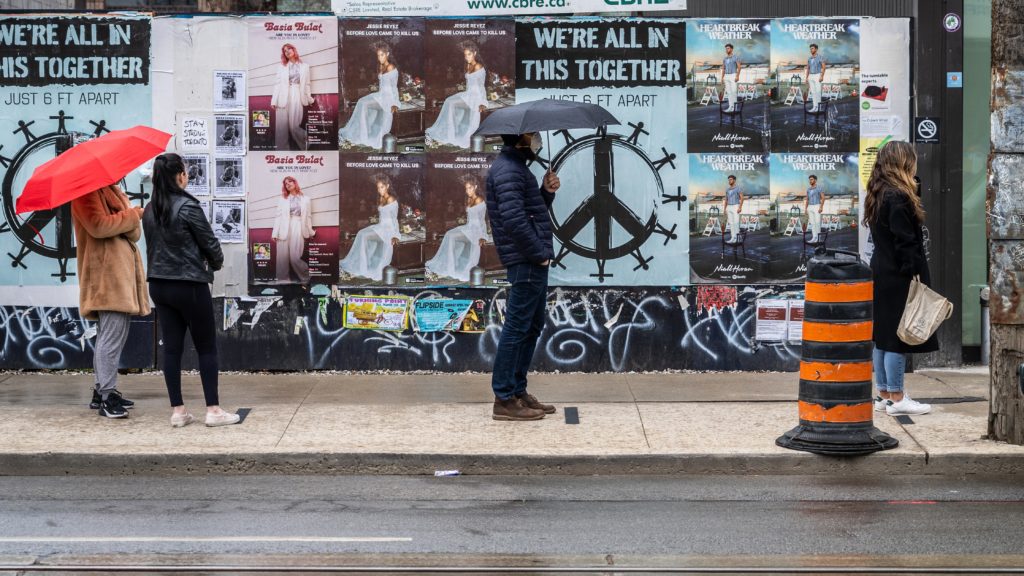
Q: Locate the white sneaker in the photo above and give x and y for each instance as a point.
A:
(880, 403)
(222, 419)
(181, 420)
(907, 407)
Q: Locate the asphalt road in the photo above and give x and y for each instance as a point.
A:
(566, 521)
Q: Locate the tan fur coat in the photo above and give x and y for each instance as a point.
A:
(110, 273)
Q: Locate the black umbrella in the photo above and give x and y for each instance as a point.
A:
(544, 115)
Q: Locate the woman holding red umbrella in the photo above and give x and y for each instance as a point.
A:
(111, 279)
(112, 284)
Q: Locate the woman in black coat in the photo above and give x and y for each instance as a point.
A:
(892, 209)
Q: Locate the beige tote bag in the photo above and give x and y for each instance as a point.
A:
(926, 310)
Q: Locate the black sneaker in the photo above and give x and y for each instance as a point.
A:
(95, 404)
(112, 408)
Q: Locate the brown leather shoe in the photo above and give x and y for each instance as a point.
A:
(531, 402)
(514, 409)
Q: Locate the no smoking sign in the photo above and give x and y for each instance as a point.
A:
(926, 130)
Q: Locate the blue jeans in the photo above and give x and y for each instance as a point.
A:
(889, 370)
(524, 320)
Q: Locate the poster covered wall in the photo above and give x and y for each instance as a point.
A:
(293, 83)
(884, 115)
(293, 218)
(382, 85)
(62, 80)
(620, 217)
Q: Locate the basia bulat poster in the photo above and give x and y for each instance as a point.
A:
(293, 83)
(728, 71)
(293, 218)
(383, 88)
(470, 71)
(460, 247)
(816, 63)
(816, 199)
(383, 222)
(730, 216)
(620, 217)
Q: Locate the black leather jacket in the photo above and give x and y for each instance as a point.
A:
(185, 249)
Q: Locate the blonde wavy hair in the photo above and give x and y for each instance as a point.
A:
(894, 170)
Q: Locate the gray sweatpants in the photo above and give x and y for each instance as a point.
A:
(111, 335)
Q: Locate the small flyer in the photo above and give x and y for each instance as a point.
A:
(772, 320)
(796, 320)
(194, 134)
(197, 167)
(874, 91)
(230, 136)
(204, 203)
(389, 313)
(475, 320)
(441, 315)
(229, 90)
(230, 178)
(229, 221)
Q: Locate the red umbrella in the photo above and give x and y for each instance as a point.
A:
(89, 166)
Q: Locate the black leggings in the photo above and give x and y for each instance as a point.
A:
(182, 306)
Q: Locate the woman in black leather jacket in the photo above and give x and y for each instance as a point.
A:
(183, 253)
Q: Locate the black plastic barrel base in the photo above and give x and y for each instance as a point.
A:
(831, 443)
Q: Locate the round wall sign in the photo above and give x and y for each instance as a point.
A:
(951, 22)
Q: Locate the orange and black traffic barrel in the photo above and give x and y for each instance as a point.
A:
(835, 400)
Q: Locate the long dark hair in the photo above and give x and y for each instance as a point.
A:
(893, 172)
(166, 168)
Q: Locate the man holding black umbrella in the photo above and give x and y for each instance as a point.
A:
(517, 206)
(518, 210)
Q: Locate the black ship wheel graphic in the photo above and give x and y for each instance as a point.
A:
(33, 229)
(604, 207)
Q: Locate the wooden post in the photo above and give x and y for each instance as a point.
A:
(1006, 222)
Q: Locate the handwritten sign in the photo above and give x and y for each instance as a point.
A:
(195, 134)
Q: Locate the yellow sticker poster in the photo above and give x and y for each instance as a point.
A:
(377, 313)
(869, 148)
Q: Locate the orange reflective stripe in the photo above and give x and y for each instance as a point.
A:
(839, 293)
(829, 332)
(835, 372)
(844, 413)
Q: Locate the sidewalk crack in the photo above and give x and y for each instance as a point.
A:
(636, 405)
(297, 408)
(927, 456)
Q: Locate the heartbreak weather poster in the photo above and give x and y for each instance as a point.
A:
(728, 71)
(816, 63)
(620, 217)
(730, 215)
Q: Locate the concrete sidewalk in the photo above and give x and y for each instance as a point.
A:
(416, 424)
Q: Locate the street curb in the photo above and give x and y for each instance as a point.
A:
(67, 464)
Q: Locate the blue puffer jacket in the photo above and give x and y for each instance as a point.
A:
(518, 209)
